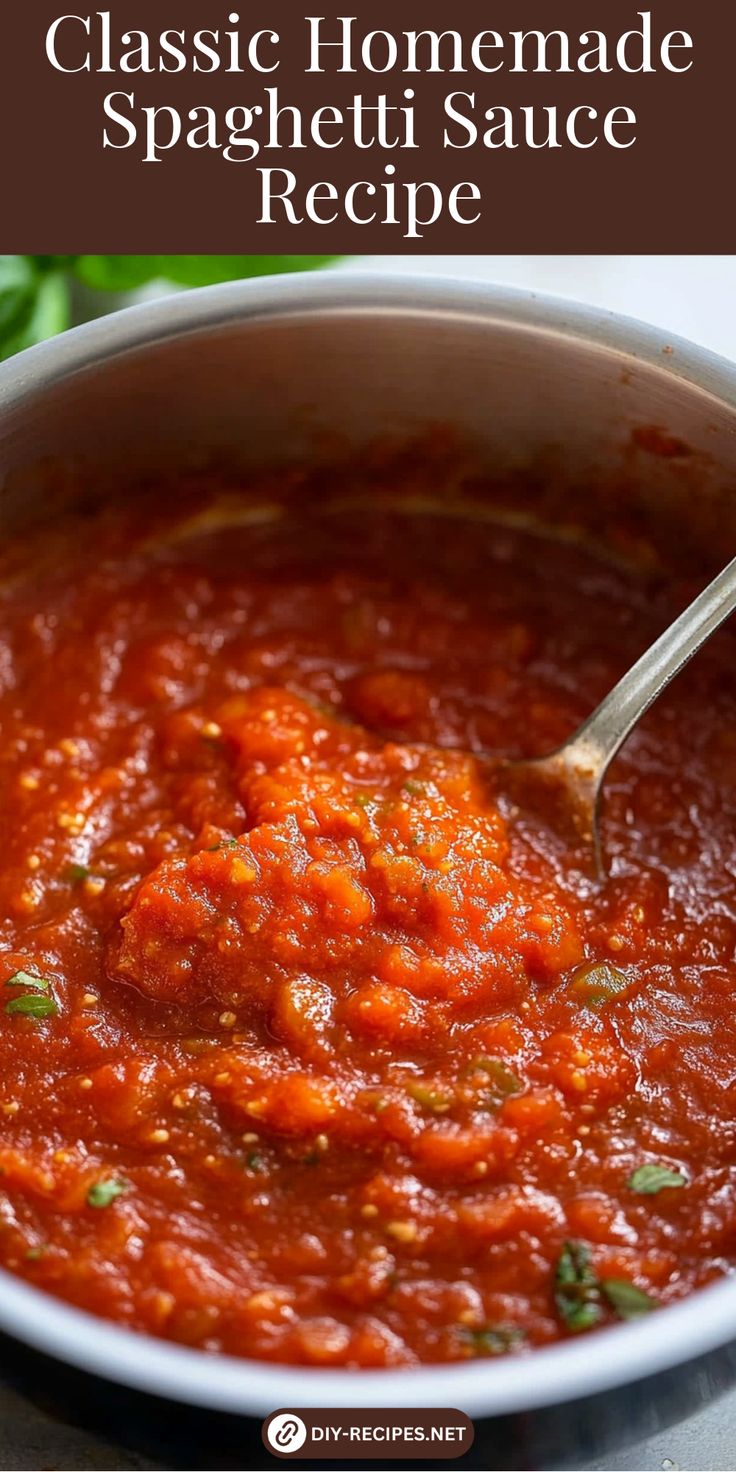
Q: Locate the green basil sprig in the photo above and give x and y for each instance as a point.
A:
(35, 291)
(34, 302)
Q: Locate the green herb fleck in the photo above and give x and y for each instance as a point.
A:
(255, 1162)
(432, 1099)
(24, 978)
(226, 843)
(580, 1293)
(34, 1253)
(76, 873)
(103, 1193)
(414, 787)
(577, 1289)
(33, 1006)
(628, 1301)
(596, 983)
(324, 708)
(501, 1078)
(492, 1339)
(648, 1180)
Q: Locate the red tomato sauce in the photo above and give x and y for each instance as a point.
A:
(313, 1049)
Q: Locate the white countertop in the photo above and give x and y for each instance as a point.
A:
(693, 296)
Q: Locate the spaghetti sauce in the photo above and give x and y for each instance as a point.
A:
(313, 1049)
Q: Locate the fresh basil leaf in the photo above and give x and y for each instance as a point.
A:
(207, 270)
(19, 281)
(125, 273)
(577, 1289)
(31, 312)
(628, 1301)
(52, 263)
(34, 290)
(103, 1193)
(24, 978)
(52, 312)
(34, 1006)
(116, 273)
(648, 1180)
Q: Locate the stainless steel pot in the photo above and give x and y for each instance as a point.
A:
(260, 372)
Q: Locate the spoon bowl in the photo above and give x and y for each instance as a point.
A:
(565, 787)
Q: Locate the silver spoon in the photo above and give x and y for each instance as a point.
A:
(567, 784)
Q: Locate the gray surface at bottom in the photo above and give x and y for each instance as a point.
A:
(705, 1443)
(31, 1438)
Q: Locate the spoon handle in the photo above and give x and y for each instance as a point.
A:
(600, 737)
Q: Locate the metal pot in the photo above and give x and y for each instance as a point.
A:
(265, 371)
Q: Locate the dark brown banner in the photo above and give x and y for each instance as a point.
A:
(518, 125)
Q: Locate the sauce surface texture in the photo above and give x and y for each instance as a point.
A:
(312, 1049)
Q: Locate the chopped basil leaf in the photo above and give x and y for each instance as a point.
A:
(580, 1293)
(628, 1301)
(648, 1180)
(24, 978)
(596, 983)
(33, 1006)
(577, 1289)
(492, 1339)
(103, 1193)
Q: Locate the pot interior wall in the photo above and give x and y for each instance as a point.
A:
(545, 414)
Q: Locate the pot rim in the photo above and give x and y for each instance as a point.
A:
(342, 292)
(568, 1371)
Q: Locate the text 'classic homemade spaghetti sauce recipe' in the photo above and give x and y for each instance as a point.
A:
(312, 1049)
